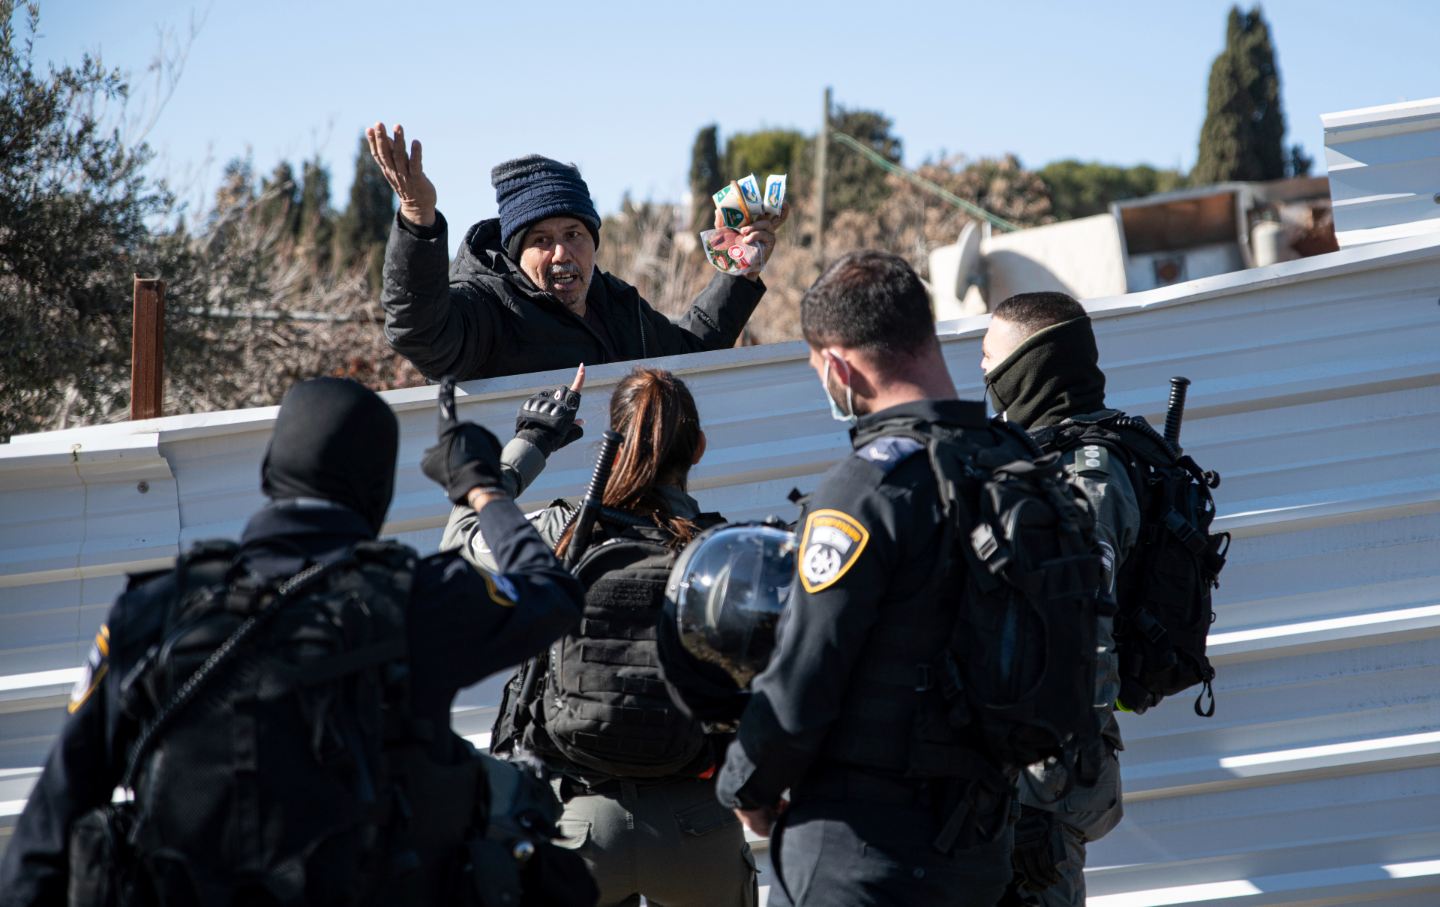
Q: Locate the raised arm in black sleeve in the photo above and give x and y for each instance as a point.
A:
(443, 328)
(476, 623)
(714, 320)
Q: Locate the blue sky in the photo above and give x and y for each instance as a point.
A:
(621, 88)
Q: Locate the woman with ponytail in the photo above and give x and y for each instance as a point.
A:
(635, 773)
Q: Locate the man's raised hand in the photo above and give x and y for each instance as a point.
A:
(405, 172)
(759, 234)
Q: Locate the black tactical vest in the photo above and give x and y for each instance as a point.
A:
(885, 694)
(885, 724)
(298, 775)
(603, 705)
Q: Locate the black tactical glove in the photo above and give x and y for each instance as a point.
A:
(547, 419)
(1039, 848)
(466, 456)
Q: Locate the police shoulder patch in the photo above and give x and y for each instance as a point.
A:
(501, 589)
(887, 453)
(1091, 459)
(831, 544)
(96, 666)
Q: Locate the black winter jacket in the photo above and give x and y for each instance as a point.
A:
(487, 319)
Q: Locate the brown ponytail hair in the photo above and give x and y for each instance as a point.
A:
(659, 427)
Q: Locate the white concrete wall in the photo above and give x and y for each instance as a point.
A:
(1316, 394)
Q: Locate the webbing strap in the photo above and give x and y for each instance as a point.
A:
(336, 666)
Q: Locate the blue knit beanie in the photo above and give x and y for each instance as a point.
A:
(532, 188)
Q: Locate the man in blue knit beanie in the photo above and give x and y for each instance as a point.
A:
(523, 293)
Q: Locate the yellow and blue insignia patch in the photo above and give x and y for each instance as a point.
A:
(830, 546)
(94, 671)
(502, 591)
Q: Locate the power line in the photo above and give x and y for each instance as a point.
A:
(884, 163)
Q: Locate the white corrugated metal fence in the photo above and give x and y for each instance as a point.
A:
(1316, 394)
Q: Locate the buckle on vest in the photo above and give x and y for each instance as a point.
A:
(1186, 533)
(986, 546)
(1149, 627)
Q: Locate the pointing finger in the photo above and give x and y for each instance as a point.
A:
(579, 382)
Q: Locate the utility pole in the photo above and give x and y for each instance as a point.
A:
(147, 349)
(822, 147)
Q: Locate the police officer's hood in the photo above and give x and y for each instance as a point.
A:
(336, 440)
(1054, 374)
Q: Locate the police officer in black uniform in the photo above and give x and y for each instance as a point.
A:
(1042, 370)
(831, 718)
(329, 475)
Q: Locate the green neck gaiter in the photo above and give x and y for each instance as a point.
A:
(1053, 375)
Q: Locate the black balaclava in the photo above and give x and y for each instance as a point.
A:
(1053, 375)
(334, 439)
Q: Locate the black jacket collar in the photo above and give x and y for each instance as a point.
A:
(304, 527)
(951, 412)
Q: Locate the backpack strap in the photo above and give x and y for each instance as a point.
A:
(889, 451)
(206, 566)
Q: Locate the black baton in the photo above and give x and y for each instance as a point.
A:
(1175, 411)
(594, 499)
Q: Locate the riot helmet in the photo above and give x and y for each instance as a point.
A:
(724, 600)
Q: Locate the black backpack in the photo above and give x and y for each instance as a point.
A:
(1163, 589)
(278, 761)
(1017, 677)
(274, 730)
(598, 700)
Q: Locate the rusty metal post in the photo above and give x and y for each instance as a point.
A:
(147, 349)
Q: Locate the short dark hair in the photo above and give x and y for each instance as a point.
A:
(1038, 311)
(871, 301)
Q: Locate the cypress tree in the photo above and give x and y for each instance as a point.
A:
(705, 176)
(1244, 131)
(280, 200)
(317, 221)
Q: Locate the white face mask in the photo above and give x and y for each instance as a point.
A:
(836, 412)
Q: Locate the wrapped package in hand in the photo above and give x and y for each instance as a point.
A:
(717, 244)
(740, 204)
(730, 202)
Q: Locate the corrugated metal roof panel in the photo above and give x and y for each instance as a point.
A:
(1384, 168)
